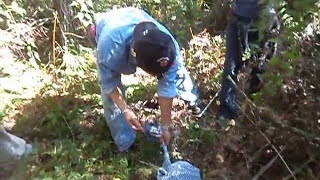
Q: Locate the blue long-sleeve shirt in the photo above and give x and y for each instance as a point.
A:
(114, 34)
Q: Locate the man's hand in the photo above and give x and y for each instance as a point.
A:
(166, 136)
(132, 120)
(117, 98)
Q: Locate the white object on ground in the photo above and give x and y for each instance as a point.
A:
(12, 148)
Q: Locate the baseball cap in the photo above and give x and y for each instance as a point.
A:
(153, 49)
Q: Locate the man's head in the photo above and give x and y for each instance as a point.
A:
(153, 49)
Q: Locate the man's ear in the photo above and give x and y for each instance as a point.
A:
(133, 53)
(163, 62)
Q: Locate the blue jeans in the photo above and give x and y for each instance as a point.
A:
(237, 37)
(122, 134)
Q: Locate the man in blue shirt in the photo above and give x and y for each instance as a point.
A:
(127, 38)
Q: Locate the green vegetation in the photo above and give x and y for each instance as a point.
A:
(50, 96)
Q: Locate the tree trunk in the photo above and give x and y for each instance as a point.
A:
(64, 21)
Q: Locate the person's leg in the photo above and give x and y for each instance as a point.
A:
(122, 134)
(186, 88)
(228, 108)
(12, 148)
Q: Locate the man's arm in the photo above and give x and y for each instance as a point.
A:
(118, 99)
(165, 108)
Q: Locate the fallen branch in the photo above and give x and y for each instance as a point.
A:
(275, 120)
(266, 167)
(273, 147)
(298, 169)
(257, 153)
(244, 94)
(259, 130)
(69, 129)
(207, 106)
(75, 35)
(149, 164)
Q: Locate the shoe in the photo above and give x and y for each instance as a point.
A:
(224, 123)
(196, 110)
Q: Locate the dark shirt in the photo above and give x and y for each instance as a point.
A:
(246, 8)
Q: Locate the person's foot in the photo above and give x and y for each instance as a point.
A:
(224, 123)
(196, 110)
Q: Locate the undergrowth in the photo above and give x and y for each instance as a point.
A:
(276, 136)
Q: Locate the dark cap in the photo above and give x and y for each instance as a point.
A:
(153, 49)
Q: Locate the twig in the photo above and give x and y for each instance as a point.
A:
(266, 167)
(191, 32)
(235, 85)
(294, 130)
(265, 136)
(257, 153)
(298, 169)
(40, 22)
(267, 139)
(146, 87)
(54, 38)
(149, 164)
(64, 119)
(276, 120)
(75, 35)
(207, 106)
(193, 140)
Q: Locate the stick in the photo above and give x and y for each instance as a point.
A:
(299, 169)
(69, 128)
(276, 120)
(294, 130)
(54, 38)
(205, 109)
(257, 153)
(235, 85)
(149, 164)
(265, 136)
(75, 35)
(266, 167)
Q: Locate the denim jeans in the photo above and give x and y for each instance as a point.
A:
(237, 37)
(122, 134)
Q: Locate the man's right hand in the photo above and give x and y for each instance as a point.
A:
(166, 136)
(132, 120)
